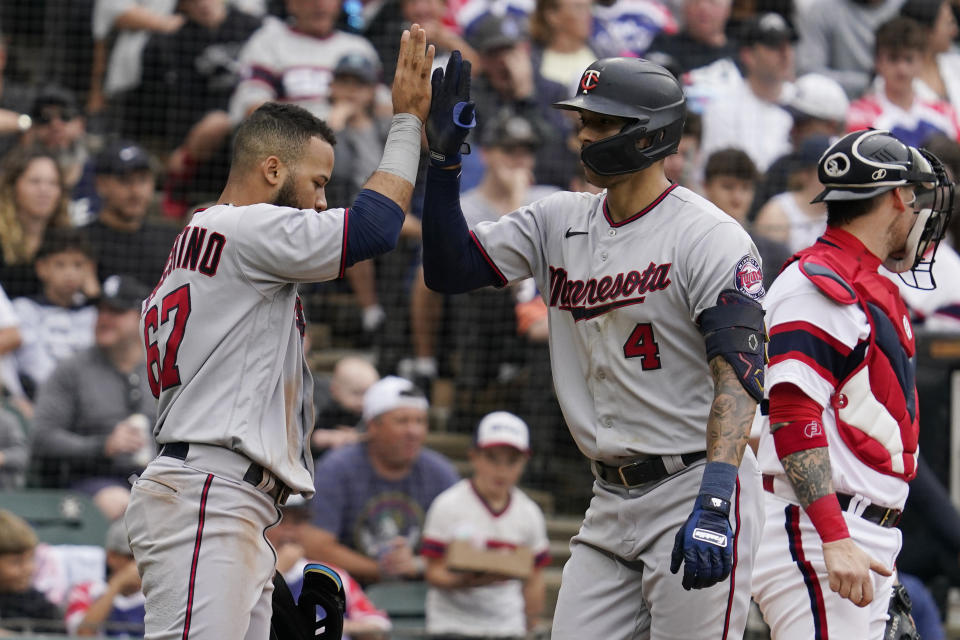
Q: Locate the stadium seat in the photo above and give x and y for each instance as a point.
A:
(58, 516)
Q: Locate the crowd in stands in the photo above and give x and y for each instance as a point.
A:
(116, 119)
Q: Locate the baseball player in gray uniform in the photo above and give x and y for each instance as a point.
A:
(224, 330)
(656, 342)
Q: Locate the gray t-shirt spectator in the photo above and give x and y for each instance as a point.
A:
(76, 410)
(366, 511)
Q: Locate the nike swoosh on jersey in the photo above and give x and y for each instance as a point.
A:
(586, 313)
(570, 233)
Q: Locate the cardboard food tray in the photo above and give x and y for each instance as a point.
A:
(515, 563)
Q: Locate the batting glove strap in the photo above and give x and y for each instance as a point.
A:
(715, 504)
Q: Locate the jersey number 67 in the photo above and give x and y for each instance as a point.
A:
(162, 371)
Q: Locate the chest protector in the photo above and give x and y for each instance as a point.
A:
(875, 401)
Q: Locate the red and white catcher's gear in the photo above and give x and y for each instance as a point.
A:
(875, 402)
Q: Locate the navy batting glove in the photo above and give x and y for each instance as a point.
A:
(704, 544)
(452, 114)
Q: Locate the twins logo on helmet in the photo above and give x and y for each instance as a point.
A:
(590, 80)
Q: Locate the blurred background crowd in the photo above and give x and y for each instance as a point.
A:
(116, 118)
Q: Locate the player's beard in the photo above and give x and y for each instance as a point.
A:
(287, 195)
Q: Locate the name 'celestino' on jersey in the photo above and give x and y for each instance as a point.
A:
(586, 299)
(195, 250)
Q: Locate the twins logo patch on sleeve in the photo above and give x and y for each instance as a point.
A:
(749, 277)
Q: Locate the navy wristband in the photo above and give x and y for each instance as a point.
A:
(719, 480)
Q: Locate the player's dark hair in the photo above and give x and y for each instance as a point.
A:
(841, 212)
(281, 130)
(898, 35)
(63, 239)
(730, 162)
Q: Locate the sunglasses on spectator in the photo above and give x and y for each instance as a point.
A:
(64, 114)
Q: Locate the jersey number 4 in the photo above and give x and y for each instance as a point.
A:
(162, 371)
(641, 345)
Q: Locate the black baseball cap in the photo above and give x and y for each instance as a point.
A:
(53, 95)
(770, 29)
(491, 31)
(358, 66)
(122, 293)
(121, 157)
(509, 129)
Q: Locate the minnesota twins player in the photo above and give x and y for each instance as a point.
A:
(838, 441)
(656, 342)
(223, 331)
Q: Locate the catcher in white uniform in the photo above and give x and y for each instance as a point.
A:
(838, 441)
(224, 332)
(656, 342)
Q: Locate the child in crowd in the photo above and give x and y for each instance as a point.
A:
(22, 607)
(58, 322)
(116, 607)
(339, 414)
(488, 510)
(893, 102)
(730, 181)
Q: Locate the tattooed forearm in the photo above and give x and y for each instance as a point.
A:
(809, 473)
(731, 415)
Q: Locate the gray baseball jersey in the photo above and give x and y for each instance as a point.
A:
(629, 363)
(224, 332)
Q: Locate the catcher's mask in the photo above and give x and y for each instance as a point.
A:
(644, 93)
(867, 163)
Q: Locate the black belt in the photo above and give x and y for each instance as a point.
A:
(254, 474)
(886, 517)
(642, 471)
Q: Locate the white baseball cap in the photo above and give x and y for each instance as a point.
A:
(502, 428)
(391, 393)
(818, 96)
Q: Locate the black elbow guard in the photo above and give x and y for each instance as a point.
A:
(734, 329)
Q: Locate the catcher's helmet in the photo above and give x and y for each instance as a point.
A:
(867, 163)
(641, 91)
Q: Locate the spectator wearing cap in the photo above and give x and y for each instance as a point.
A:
(819, 107)
(112, 607)
(94, 414)
(32, 199)
(371, 496)
(729, 180)
(750, 116)
(59, 127)
(483, 321)
(361, 132)
(489, 511)
(836, 39)
(790, 217)
(190, 75)
(893, 103)
(293, 61)
(703, 39)
(125, 240)
(508, 79)
(940, 68)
